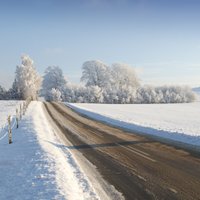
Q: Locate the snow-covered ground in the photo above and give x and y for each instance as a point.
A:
(178, 122)
(35, 166)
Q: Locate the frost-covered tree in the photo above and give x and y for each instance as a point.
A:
(5, 94)
(147, 94)
(123, 85)
(55, 95)
(117, 84)
(15, 92)
(69, 94)
(2, 93)
(83, 94)
(124, 76)
(165, 94)
(75, 93)
(53, 78)
(95, 73)
(104, 84)
(95, 94)
(27, 81)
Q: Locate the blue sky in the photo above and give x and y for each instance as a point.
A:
(160, 38)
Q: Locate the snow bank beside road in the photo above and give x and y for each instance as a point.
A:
(178, 122)
(35, 166)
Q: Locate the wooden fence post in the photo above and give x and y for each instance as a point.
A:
(9, 130)
(17, 118)
(20, 112)
(24, 107)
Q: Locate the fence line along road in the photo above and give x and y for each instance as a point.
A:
(13, 121)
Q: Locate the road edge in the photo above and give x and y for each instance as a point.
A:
(193, 149)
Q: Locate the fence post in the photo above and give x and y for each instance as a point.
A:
(20, 115)
(24, 107)
(17, 118)
(9, 130)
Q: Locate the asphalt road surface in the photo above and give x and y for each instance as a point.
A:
(137, 166)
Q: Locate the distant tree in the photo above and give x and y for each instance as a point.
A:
(53, 79)
(124, 76)
(95, 73)
(165, 94)
(123, 85)
(75, 93)
(95, 94)
(116, 85)
(15, 92)
(27, 81)
(2, 93)
(147, 94)
(55, 95)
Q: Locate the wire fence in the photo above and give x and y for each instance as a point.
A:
(13, 120)
(4, 128)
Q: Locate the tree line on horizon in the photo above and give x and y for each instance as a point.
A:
(100, 83)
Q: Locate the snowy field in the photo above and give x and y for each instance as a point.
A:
(178, 122)
(37, 165)
(7, 108)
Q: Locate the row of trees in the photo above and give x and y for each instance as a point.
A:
(103, 84)
(100, 83)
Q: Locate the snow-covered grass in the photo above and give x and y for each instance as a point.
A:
(37, 166)
(178, 122)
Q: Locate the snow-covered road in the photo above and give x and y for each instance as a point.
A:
(138, 167)
(35, 167)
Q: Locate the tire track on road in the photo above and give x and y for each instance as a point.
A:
(137, 166)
